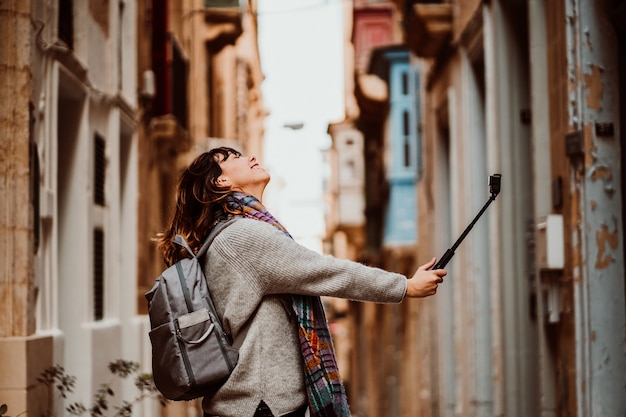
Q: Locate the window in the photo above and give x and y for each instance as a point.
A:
(99, 170)
(406, 151)
(405, 83)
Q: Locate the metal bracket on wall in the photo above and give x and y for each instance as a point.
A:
(604, 129)
(574, 144)
(550, 258)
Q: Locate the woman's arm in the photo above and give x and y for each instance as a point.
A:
(276, 264)
(273, 263)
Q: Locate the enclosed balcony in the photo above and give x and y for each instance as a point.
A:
(428, 26)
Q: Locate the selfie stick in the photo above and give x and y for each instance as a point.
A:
(494, 189)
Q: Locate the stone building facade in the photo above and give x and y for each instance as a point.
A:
(104, 103)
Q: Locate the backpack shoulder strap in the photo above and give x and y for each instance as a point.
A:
(179, 240)
(217, 229)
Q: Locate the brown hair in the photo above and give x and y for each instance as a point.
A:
(200, 202)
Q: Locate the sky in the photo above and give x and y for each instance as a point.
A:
(301, 47)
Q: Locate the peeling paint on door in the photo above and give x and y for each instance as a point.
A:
(594, 86)
(607, 240)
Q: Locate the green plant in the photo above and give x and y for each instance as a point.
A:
(55, 378)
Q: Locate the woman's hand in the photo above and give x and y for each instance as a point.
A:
(424, 282)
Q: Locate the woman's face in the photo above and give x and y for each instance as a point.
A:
(243, 173)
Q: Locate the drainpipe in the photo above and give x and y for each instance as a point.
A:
(594, 151)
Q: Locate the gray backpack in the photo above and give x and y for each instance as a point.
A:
(192, 356)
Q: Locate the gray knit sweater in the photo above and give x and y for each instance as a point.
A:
(250, 267)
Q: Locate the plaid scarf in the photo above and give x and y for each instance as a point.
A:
(326, 393)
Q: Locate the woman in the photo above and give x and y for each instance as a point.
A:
(268, 287)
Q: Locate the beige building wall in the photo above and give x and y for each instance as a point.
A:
(88, 174)
(19, 346)
(70, 94)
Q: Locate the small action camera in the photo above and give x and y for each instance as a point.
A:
(494, 184)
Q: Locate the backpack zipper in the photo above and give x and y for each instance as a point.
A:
(183, 353)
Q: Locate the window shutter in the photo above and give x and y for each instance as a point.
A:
(98, 274)
(99, 170)
(66, 22)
